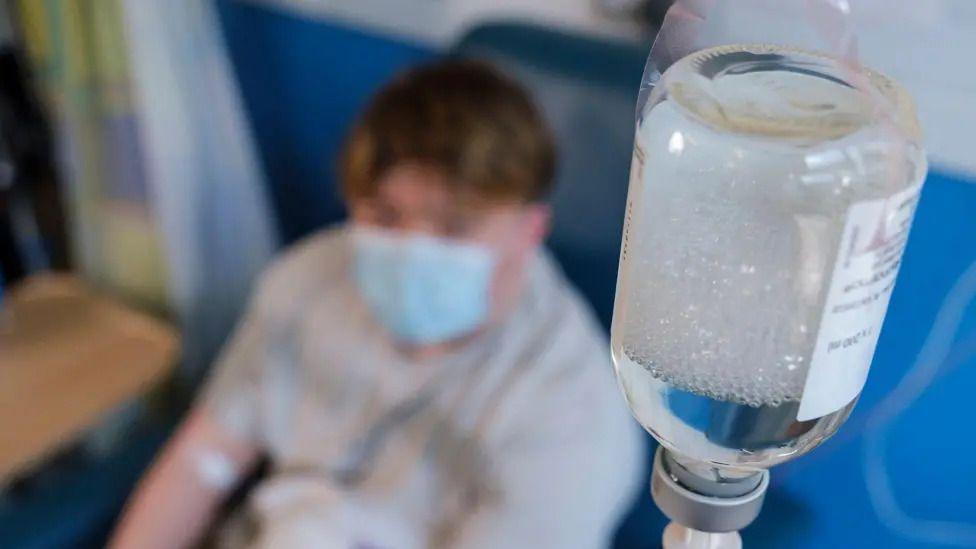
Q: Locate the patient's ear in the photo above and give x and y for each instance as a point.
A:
(538, 222)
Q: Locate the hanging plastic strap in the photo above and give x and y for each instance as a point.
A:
(825, 26)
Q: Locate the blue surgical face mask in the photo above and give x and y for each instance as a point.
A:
(423, 289)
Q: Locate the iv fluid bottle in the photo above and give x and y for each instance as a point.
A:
(768, 209)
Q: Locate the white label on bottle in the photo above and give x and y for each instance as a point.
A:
(864, 275)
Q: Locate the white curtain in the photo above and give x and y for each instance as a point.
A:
(206, 186)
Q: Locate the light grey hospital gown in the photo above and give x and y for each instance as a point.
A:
(518, 439)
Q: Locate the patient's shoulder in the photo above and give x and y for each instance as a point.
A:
(568, 319)
(559, 346)
(308, 268)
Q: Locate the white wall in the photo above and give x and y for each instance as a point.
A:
(582, 15)
(442, 21)
(928, 45)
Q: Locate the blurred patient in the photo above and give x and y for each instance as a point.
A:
(421, 376)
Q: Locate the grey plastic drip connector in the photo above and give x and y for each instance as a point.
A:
(716, 504)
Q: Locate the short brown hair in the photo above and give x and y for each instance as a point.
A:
(462, 117)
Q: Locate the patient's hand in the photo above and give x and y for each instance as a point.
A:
(306, 512)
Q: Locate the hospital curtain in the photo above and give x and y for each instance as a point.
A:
(167, 196)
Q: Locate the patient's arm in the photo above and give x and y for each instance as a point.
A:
(176, 501)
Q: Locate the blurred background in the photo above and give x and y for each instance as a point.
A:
(155, 155)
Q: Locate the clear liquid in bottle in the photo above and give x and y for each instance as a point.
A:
(768, 209)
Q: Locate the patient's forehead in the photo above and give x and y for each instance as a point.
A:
(426, 192)
(417, 189)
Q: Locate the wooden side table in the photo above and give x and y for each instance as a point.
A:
(68, 357)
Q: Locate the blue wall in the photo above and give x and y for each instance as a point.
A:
(303, 83)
